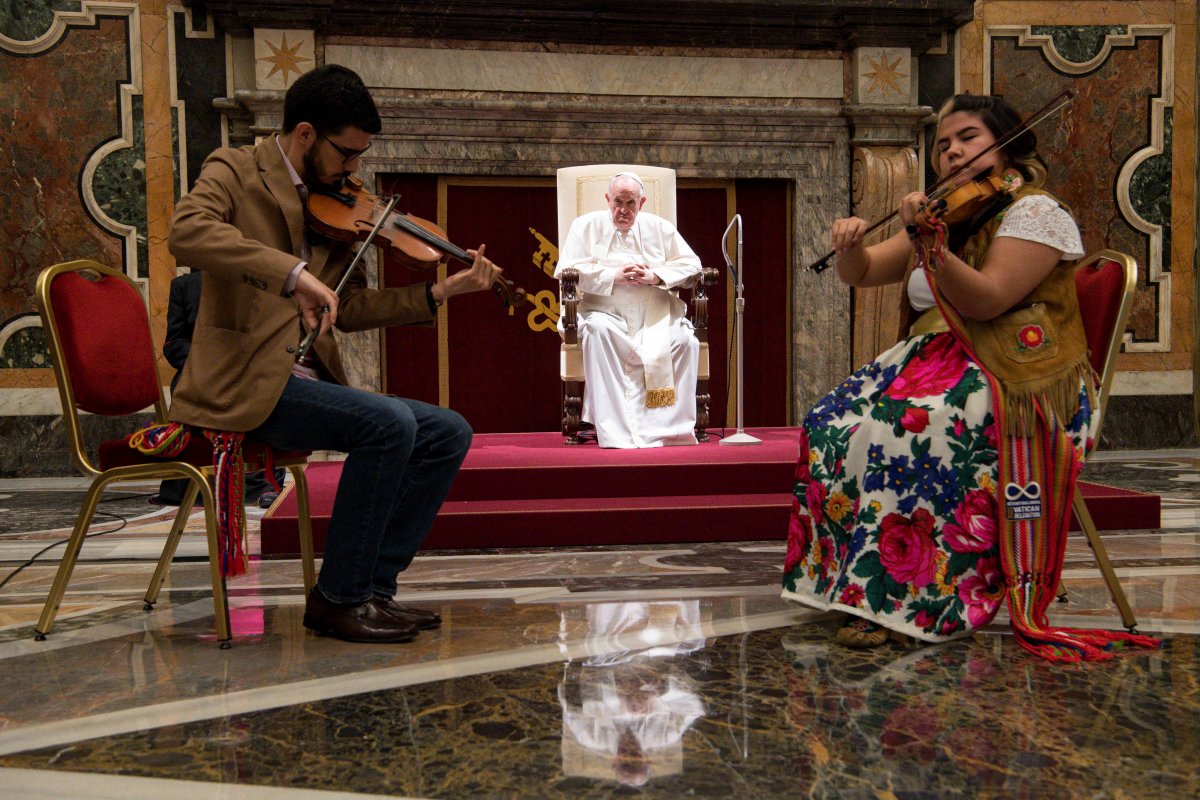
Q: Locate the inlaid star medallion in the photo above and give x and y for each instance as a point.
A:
(284, 58)
(885, 77)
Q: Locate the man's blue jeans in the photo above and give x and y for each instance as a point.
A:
(402, 456)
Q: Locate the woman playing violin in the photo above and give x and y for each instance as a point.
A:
(934, 483)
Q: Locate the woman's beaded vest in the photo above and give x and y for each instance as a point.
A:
(1036, 349)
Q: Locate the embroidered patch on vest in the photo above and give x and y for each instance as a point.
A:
(1031, 337)
(1023, 502)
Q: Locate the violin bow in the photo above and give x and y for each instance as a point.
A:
(312, 335)
(1060, 100)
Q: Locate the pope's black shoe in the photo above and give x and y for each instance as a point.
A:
(424, 620)
(365, 622)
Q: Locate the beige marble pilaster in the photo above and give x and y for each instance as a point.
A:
(880, 176)
(160, 163)
(886, 124)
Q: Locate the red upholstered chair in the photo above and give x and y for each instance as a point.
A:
(103, 355)
(1105, 282)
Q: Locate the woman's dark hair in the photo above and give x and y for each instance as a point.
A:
(1000, 118)
(330, 98)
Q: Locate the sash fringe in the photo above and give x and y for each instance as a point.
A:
(1056, 396)
(168, 441)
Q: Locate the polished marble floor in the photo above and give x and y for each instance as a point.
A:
(656, 671)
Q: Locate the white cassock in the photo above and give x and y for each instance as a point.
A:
(640, 353)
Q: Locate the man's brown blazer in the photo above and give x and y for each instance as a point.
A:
(242, 226)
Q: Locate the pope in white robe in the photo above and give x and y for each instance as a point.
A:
(640, 352)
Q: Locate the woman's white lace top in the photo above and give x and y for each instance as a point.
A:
(1035, 218)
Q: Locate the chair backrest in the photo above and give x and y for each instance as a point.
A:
(582, 189)
(100, 345)
(1105, 282)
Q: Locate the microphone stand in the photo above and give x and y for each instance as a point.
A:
(739, 307)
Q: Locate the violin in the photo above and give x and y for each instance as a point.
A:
(955, 204)
(353, 214)
(975, 191)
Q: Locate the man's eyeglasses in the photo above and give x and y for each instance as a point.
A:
(347, 154)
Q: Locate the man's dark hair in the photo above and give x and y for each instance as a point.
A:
(330, 98)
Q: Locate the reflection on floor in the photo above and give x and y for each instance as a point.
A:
(589, 672)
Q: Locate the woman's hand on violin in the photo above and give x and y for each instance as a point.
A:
(318, 303)
(847, 234)
(911, 205)
(481, 275)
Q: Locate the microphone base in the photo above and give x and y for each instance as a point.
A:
(740, 438)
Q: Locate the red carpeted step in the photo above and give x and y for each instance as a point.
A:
(540, 465)
(529, 490)
(1115, 509)
(584, 521)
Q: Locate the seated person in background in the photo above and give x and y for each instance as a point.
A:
(640, 354)
(182, 306)
(935, 483)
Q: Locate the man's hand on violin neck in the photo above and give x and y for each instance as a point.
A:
(481, 275)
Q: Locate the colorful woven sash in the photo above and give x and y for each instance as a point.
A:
(168, 441)
(1035, 483)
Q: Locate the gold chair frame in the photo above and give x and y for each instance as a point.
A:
(1084, 517)
(198, 478)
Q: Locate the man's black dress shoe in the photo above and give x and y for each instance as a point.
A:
(424, 620)
(362, 623)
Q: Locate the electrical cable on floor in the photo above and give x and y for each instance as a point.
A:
(123, 520)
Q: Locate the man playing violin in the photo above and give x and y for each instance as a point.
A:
(934, 483)
(266, 282)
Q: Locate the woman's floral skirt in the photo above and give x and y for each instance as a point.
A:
(894, 508)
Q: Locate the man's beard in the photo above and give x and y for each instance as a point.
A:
(310, 176)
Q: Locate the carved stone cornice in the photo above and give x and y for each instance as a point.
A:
(746, 138)
(898, 126)
(740, 24)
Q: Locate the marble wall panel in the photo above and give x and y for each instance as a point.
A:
(200, 75)
(60, 106)
(604, 73)
(35, 446)
(1088, 147)
(282, 56)
(1153, 195)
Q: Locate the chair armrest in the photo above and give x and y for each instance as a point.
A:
(708, 277)
(568, 304)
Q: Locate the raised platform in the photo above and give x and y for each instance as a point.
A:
(530, 490)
